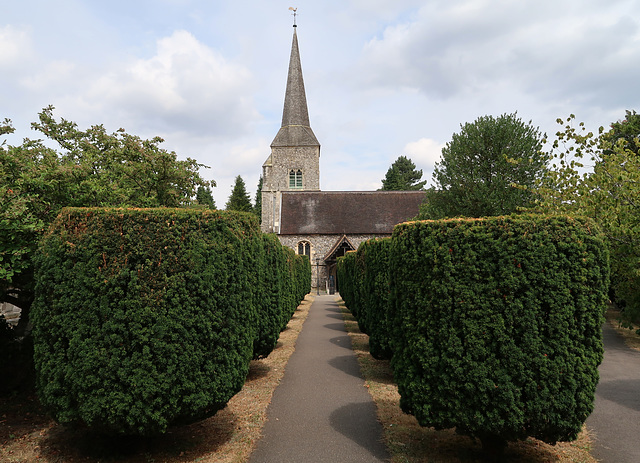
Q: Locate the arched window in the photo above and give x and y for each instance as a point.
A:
(304, 248)
(295, 178)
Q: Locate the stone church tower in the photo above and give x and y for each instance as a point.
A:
(323, 225)
(294, 164)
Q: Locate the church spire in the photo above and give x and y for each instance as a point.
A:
(296, 129)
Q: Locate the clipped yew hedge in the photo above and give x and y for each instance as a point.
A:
(284, 281)
(374, 290)
(347, 283)
(498, 324)
(147, 318)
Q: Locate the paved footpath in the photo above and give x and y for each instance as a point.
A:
(615, 421)
(321, 412)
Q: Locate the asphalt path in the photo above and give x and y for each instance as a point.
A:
(321, 411)
(615, 421)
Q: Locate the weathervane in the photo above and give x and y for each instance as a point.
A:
(295, 13)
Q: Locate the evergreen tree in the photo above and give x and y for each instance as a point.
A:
(239, 199)
(258, 201)
(487, 169)
(402, 176)
(205, 197)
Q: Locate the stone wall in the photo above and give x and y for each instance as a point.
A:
(275, 177)
(11, 313)
(320, 246)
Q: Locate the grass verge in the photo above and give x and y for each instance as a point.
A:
(408, 442)
(28, 435)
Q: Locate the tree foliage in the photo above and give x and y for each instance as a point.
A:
(494, 323)
(86, 168)
(597, 175)
(204, 197)
(627, 129)
(402, 176)
(239, 199)
(145, 318)
(258, 201)
(486, 168)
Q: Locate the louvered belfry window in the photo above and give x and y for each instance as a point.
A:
(295, 179)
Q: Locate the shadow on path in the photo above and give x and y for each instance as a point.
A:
(349, 421)
(321, 411)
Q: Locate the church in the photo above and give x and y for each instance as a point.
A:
(323, 225)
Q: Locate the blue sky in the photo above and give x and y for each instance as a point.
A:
(383, 77)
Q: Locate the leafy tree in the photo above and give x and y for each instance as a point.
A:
(486, 169)
(239, 199)
(598, 175)
(402, 176)
(627, 129)
(204, 197)
(258, 201)
(88, 168)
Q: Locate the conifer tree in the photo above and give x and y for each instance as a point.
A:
(258, 200)
(487, 169)
(402, 176)
(205, 197)
(239, 199)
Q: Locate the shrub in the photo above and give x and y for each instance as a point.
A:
(346, 281)
(144, 318)
(283, 281)
(499, 324)
(374, 295)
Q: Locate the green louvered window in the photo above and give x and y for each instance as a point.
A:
(295, 179)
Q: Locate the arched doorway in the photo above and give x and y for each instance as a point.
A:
(339, 249)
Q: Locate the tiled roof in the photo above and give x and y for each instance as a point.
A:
(346, 212)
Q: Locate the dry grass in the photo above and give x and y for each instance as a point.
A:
(27, 435)
(408, 442)
(628, 333)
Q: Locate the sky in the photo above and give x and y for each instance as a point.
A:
(383, 78)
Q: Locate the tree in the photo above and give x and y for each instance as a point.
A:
(402, 176)
(239, 199)
(627, 129)
(609, 193)
(89, 168)
(204, 197)
(258, 201)
(487, 169)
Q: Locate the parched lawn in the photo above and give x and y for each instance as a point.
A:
(408, 442)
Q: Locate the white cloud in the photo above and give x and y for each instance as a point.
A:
(471, 47)
(424, 152)
(15, 46)
(186, 87)
(54, 74)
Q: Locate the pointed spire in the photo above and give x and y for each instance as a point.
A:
(295, 100)
(296, 129)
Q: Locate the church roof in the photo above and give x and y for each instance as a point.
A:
(296, 128)
(346, 212)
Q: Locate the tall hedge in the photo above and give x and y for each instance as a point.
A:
(498, 324)
(374, 295)
(274, 296)
(284, 282)
(347, 284)
(146, 318)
